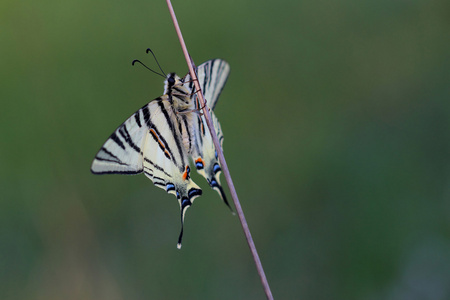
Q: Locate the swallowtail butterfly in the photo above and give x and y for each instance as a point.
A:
(161, 137)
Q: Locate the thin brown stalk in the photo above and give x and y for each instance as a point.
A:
(222, 161)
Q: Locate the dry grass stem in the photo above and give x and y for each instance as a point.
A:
(223, 163)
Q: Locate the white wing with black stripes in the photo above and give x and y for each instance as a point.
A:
(205, 156)
(122, 152)
(149, 142)
(159, 139)
(212, 76)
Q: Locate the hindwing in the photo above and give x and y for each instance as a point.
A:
(212, 76)
(149, 142)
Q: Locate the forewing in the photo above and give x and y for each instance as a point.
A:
(149, 142)
(212, 76)
(122, 152)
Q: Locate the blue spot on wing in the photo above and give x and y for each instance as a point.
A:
(170, 187)
(185, 202)
(194, 192)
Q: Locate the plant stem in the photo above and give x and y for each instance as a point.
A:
(222, 161)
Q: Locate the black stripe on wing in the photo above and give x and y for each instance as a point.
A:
(116, 165)
(126, 135)
(157, 167)
(116, 139)
(117, 172)
(174, 134)
(156, 135)
(112, 158)
(127, 172)
(200, 133)
(137, 118)
(106, 156)
(185, 129)
(215, 76)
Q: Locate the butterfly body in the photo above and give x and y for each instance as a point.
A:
(162, 137)
(180, 107)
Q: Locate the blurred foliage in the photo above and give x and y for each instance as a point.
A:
(336, 122)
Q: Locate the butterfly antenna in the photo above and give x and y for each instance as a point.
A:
(138, 61)
(154, 56)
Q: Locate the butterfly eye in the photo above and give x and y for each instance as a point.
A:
(171, 80)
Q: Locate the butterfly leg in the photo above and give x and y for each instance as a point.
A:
(201, 108)
(195, 110)
(189, 81)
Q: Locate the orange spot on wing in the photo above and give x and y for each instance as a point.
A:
(153, 132)
(161, 144)
(186, 173)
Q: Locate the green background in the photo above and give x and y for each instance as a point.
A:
(336, 123)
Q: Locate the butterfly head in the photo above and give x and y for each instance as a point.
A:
(172, 80)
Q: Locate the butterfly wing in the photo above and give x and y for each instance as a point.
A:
(122, 152)
(212, 76)
(205, 155)
(149, 142)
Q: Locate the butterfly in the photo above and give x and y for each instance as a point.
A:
(161, 137)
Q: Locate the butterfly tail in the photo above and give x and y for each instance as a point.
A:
(215, 185)
(185, 202)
